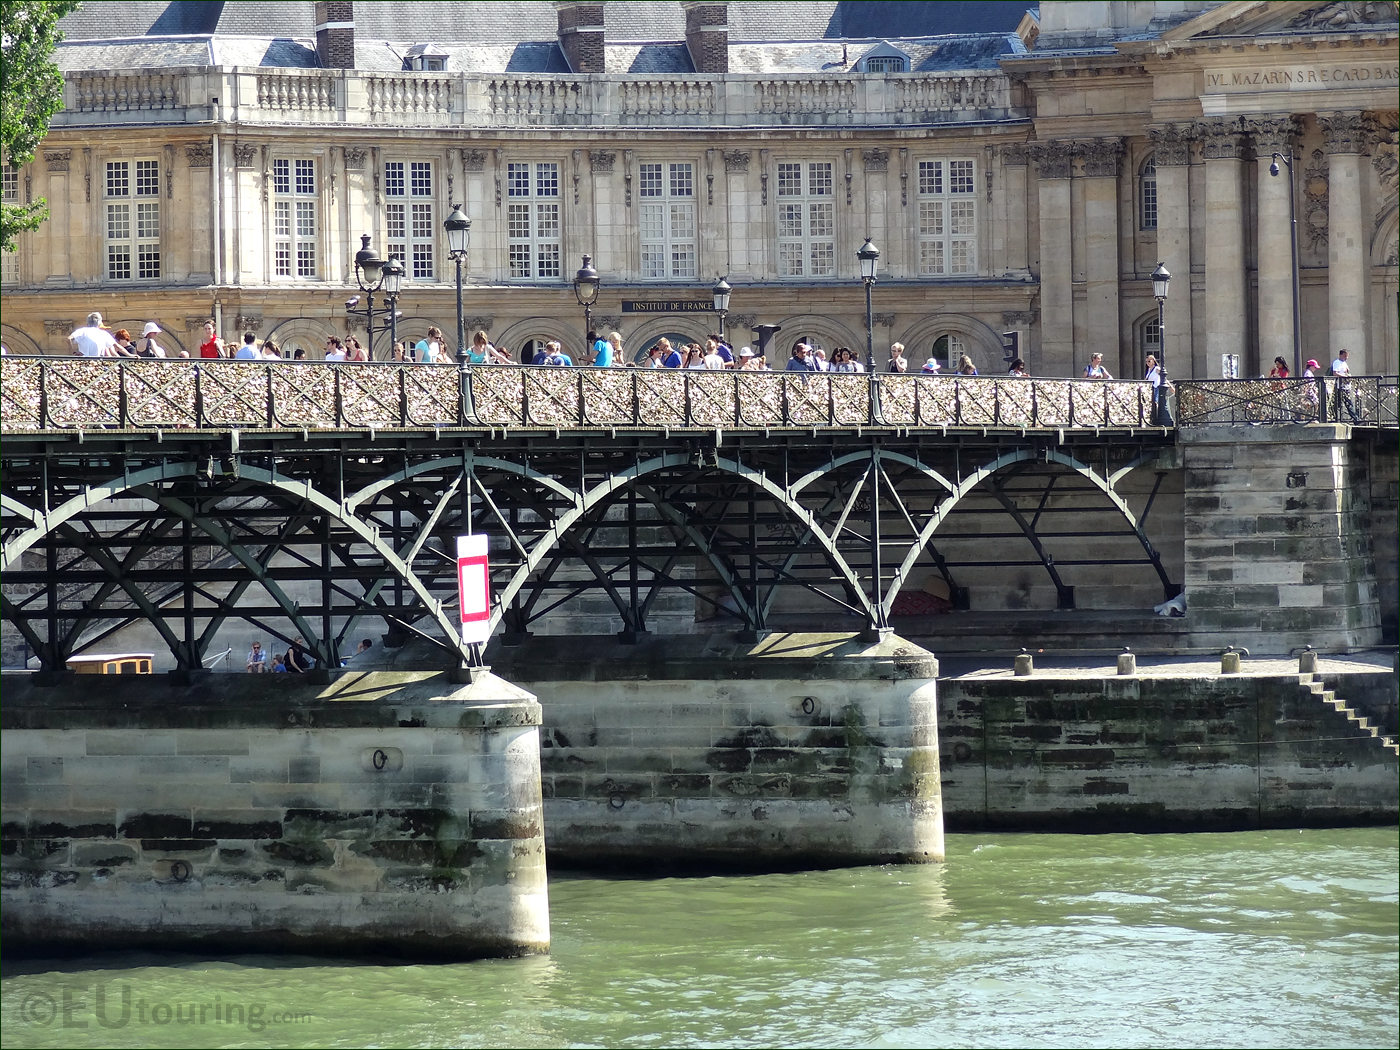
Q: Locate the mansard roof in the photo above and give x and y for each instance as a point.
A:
(641, 36)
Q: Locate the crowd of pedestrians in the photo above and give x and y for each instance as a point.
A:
(94, 339)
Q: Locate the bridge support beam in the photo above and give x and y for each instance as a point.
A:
(1278, 551)
(691, 753)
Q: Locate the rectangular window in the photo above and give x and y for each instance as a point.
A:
(132, 192)
(1148, 197)
(806, 220)
(533, 221)
(667, 221)
(947, 216)
(9, 192)
(294, 218)
(408, 215)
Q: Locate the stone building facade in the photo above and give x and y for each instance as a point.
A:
(1022, 179)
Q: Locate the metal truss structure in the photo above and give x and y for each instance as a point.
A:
(322, 532)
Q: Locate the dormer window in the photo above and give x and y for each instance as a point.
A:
(885, 64)
(425, 58)
(884, 57)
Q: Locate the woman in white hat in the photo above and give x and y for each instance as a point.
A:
(149, 347)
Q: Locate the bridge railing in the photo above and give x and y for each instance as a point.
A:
(1358, 400)
(38, 393)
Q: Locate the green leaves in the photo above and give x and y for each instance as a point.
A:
(31, 91)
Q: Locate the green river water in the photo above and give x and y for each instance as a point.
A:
(1258, 939)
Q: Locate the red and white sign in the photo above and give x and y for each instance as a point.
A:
(474, 588)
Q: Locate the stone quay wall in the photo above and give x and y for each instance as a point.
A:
(385, 813)
(691, 753)
(1085, 754)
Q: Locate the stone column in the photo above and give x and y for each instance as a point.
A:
(1055, 161)
(1226, 333)
(1348, 249)
(1172, 158)
(1275, 242)
(1102, 160)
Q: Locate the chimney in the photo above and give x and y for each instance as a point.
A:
(335, 34)
(707, 35)
(581, 34)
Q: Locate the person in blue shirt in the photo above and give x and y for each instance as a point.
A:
(670, 356)
(722, 348)
(602, 349)
(801, 360)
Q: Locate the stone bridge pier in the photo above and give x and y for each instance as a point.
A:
(1280, 537)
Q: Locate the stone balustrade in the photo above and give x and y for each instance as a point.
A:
(318, 97)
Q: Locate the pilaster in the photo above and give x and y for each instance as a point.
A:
(1102, 160)
(1171, 144)
(1054, 161)
(1348, 247)
(1224, 149)
(1275, 310)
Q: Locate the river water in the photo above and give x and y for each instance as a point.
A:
(1257, 939)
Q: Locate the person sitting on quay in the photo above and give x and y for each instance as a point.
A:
(93, 339)
(365, 646)
(257, 659)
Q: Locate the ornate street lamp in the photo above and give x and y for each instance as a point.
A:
(393, 285)
(586, 283)
(459, 230)
(1160, 279)
(1293, 245)
(369, 275)
(721, 292)
(869, 257)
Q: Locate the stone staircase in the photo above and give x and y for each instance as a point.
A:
(1312, 685)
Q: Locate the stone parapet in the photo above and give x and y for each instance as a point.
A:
(385, 812)
(697, 752)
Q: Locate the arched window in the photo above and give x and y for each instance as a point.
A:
(1147, 196)
(1151, 338)
(947, 349)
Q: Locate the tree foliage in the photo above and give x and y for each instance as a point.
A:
(31, 91)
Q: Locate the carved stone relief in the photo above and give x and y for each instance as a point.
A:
(1314, 218)
(1171, 144)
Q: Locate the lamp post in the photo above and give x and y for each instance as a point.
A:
(1161, 277)
(1293, 246)
(393, 285)
(369, 275)
(721, 292)
(459, 229)
(869, 257)
(586, 283)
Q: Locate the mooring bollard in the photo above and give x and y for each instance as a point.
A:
(1307, 661)
(1024, 664)
(1230, 660)
(1127, 662)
